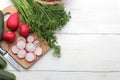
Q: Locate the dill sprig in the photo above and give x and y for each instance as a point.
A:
(43, 19)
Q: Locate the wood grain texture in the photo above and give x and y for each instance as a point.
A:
(93, 16)
(91, 53)
(9, 10)
(90, 44)
(41, 75)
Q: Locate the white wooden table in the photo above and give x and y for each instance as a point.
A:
(90, 44)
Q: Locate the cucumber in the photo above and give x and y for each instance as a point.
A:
(5, 75)
(3, 63)
(1, 24)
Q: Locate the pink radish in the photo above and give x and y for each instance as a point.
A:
(21, 54)
(24, 30)
(30, 38)
(21, 38)
(21, 44)
(30, 57)
(9, 36)
(13, 21)
(36, 43)
(30, 47)
(38, 51)
(14, 50)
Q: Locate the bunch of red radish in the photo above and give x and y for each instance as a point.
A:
(13, 24)
(26, 45)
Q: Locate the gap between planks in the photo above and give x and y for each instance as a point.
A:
(89, 33)
(66, 71)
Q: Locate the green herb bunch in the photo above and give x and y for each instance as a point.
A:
(43, 19)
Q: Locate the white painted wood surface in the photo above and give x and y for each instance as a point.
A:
(90, 44)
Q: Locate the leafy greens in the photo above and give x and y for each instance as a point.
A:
(43, 19)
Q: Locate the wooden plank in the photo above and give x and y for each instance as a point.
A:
(93, 16)
(83, 53)
(41, 75)
(94, 21)
(90, 16)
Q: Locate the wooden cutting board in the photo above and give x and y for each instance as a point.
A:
(9, 10)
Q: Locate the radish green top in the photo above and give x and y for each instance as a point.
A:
(43, 19)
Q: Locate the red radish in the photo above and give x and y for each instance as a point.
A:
(21, 53)
(13, 21)
(30, 57)
(30, 38)
(24, 30)
(21, 38)
(36, 43)
(38, 51)
(21, 44)
(30, 47)
(9, 36)
(14, 50)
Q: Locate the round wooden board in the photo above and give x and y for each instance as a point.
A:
(9, 10)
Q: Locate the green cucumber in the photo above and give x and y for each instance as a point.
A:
(3, 63)
(5, 75)
(1, 24)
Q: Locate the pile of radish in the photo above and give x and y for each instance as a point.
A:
(27, 48)
(13, 24)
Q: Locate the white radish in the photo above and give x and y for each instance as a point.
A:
(30, 47)
(38, 51)
(14, 49)
(21, 53)
(36, 43)
(30, 57)
(21, 38)
(21, 44)
(30, 39)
